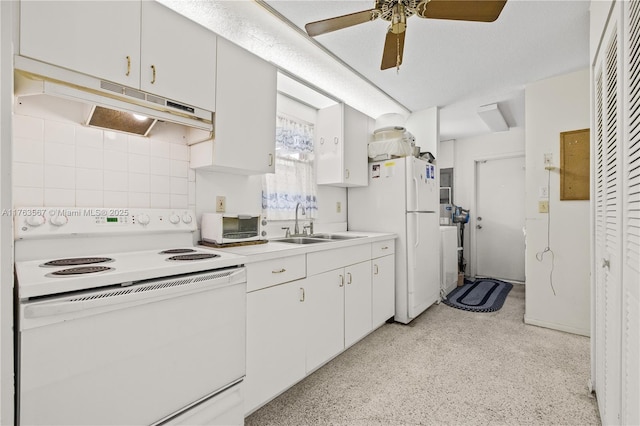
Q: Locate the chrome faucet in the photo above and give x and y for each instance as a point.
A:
(296, 227)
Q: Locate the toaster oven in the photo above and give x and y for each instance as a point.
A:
(222, 228)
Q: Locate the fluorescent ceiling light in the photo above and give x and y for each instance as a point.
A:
(253, 27)
(493, 118)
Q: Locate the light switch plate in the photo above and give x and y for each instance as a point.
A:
(543, 207)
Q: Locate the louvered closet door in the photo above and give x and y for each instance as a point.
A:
(608, 137)
(631, 220)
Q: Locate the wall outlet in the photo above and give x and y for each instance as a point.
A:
(338, 207)
(543, 192)
(543, 207)
(221, 204)
(548, 158)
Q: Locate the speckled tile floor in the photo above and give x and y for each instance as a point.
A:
(449, 367)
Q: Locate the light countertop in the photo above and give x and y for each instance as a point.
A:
(274, 249)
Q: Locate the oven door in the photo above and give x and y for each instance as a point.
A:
(240, 228)
(131, 355)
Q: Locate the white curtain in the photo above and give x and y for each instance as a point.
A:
(294, 179)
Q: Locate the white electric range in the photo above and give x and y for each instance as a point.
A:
(122, 320)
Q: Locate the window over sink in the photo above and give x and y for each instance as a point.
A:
(294, 179)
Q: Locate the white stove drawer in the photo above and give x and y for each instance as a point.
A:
(224, 409)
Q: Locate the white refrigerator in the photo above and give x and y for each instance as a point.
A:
(402, 197)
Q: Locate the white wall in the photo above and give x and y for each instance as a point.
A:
(59, 162)
(446, 154)
(553, 106)
(6, 224)
(425, 126)
(466, 152)
(244, 193)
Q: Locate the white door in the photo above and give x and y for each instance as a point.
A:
(422, 191)
(357, 302)
(99, 38)
(499, 219)
(275, 342)
(328, 146)
(383, 289)
(324, 317)
(178, 57)
(631, 222)
(608, 193)
(423, 261)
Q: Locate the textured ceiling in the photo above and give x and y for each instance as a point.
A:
(456, 65)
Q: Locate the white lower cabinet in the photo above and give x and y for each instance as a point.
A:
(324, 317)
(337, 311)
(297, 326)
(383, 287)
(357, 302)
(275, 342)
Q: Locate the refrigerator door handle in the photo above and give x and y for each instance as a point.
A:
(415, 193)
(417, 243)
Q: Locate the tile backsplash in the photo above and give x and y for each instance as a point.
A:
(63, 163)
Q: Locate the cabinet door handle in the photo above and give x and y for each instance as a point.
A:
(341, 281)
(321, 141)
(335, 140)
(346, 174)
(279, 271)
(375, 269)
(384, 248)
(153, 71)
(270, 159)
(301, 294)
(350, 279)
(128, 66)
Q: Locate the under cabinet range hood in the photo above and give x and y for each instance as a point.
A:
(112, 106)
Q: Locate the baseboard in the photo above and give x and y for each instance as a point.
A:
(559, 327)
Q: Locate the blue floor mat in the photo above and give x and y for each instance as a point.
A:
(481, 295)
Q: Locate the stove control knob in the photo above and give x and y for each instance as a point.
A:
(186, 218)
(58, 220)
(144, 219)
(35, 221)
(174, 218)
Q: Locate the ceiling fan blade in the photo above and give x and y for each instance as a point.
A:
(340, 22)
(461, 10)
(393, 48)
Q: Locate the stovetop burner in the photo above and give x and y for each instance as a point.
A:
(74, 261)
(178, 251)
(81, 270)
(195, 256)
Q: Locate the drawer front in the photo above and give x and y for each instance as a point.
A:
(276, 271)
(382, 248)
(328, 260)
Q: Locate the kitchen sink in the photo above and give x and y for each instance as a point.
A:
(334, 236)
(300, 240)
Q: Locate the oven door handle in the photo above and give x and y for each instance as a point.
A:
(125, 297)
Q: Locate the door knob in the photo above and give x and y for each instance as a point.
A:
(479, 218)
(479, 226)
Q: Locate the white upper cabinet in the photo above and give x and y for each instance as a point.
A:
(245, 120)
(143, 45)
(342, 135)
(177, 57)
(99, 38)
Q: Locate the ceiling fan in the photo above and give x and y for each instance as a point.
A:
(397, 12)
